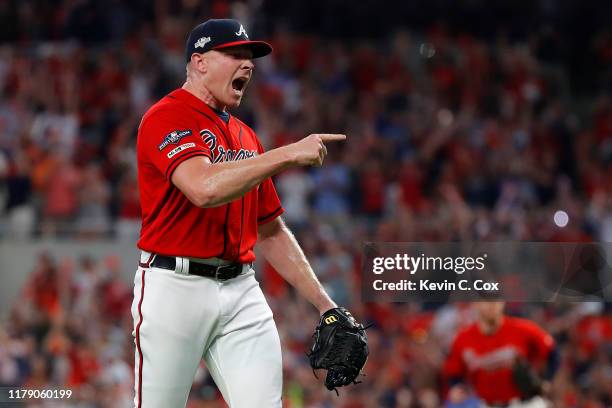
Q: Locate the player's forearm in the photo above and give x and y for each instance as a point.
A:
(280, 248)
(224, 182)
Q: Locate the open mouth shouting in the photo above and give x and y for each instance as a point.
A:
(239, 84)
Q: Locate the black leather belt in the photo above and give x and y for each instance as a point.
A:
(221, 272)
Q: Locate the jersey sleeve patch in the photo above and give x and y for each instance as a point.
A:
(179, 149)
(173, 138)
(168, 136)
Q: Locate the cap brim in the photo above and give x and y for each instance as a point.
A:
(259, 48)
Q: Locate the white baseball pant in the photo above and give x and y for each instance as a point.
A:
(535, 402)
(180, 318)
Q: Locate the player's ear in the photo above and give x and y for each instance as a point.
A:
(199, 62)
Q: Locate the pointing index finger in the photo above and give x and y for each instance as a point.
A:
(331, 137)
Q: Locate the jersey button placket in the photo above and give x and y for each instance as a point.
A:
(234, 226)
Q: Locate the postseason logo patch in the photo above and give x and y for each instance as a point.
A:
(173, 138)
(179, 149)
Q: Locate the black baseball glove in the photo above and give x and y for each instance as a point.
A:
(526, 379)
(340, 346)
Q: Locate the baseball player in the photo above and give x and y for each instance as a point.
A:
(507, 361)
(207, 198)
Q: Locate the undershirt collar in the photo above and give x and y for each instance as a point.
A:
(224, 115)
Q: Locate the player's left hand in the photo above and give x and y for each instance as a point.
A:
(526, 379)
(340, 346)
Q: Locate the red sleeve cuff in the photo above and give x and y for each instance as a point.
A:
(269, 217)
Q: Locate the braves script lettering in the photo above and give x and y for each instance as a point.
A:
(219, 153)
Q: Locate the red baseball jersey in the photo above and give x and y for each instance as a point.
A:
(485, 361)
(176, 128)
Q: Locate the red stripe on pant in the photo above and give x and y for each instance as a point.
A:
(138, 341)
(147, 263)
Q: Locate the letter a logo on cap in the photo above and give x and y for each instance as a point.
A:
(242, 31)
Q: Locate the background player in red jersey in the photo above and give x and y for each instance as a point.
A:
(507, 361)
(207, 198)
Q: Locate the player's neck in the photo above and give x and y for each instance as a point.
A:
(490, 327)
(202, 93)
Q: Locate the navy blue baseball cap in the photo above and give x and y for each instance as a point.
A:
(217, 34)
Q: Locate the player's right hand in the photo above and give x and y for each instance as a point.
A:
(311, 150)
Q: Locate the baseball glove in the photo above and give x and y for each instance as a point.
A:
(526, 379)
(340, 346)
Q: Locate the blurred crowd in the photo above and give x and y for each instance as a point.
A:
(456, 131)
(71, 329)
(452, 135)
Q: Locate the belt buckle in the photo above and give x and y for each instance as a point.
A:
(220, 275)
